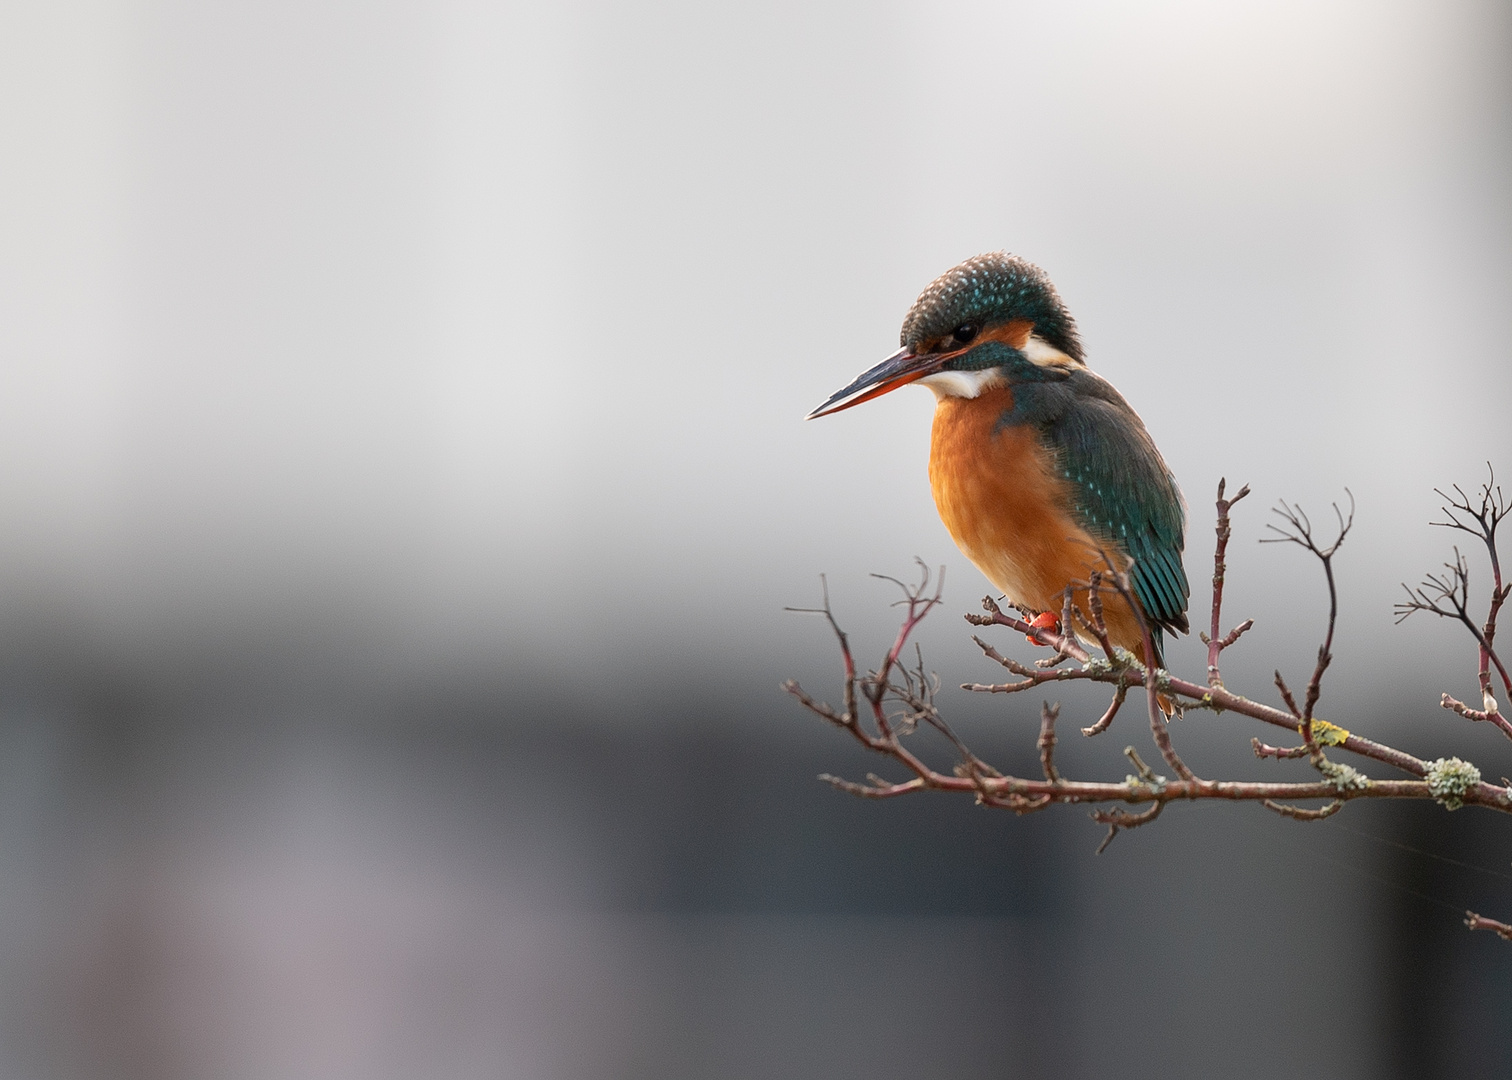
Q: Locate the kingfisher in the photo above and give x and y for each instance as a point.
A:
(1041, 471)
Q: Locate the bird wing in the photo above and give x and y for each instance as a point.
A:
(1122, 491)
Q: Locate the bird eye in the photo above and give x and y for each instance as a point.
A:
(964, 333)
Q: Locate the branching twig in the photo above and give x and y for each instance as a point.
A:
(1117, 818)
(1492, 509)
(1447, 595)
(1299, 532)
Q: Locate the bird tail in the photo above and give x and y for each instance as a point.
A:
(1157, 639)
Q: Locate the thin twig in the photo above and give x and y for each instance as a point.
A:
(1048, 715)
(1286, 696)
(1214, 643)
(1117, 819)
(1265, 750)
(1107, 717)
(1480, 922)
(1099, 624)
(1300, 813)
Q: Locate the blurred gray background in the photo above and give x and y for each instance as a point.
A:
(402, 475)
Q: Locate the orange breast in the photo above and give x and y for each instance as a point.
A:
(1001, 497)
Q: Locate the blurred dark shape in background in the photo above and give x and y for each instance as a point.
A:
(402, 475)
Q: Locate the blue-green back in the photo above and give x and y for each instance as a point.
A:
(1122, 492)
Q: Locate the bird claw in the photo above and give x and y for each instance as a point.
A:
(1045, 620)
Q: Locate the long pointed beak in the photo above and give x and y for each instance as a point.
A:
(899, 369)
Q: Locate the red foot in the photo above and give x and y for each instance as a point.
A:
(1044, 621)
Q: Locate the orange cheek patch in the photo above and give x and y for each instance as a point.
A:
(1014, 333)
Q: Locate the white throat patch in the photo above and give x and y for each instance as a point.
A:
(964, 384)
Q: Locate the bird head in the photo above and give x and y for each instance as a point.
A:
(994, 319)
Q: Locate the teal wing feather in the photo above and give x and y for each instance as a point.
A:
(1122, 491)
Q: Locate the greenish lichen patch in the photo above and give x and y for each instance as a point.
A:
(1344, 777)
(1449, 779)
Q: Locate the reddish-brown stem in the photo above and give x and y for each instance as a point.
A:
(1048, 715)
(1480, 922)
(1453, 704)
(1107, 718)
(1117, 819)
(1265, 750)
(1488, 632)
(1099, 624)
(1215, 643)
(1286, 696)
(918, 607)
(1298, 813)
(1488, 654)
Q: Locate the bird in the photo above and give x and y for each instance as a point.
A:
(1041, 471)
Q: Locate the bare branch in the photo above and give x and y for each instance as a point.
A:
(901, 697)
(1198, 695)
